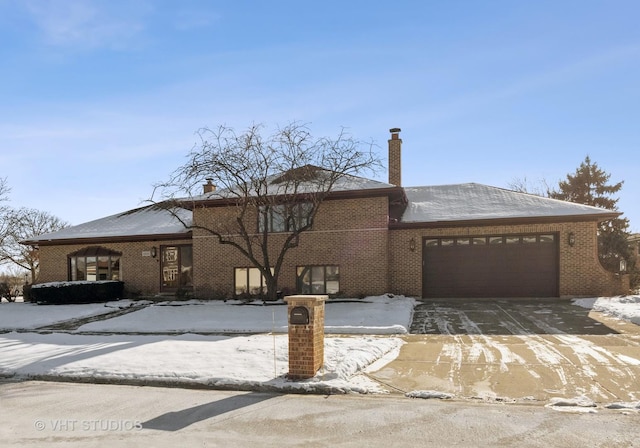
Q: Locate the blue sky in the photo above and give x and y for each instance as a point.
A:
(102, 99)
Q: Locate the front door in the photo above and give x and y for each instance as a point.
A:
(176, 267)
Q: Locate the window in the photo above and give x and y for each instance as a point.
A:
(495, 240)
(94, 263)
(177, 267)
(318, 279)
(284, 217)
(491, 240)
(547, 238)
(249, 281)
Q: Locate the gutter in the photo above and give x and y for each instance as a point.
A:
(399, 225)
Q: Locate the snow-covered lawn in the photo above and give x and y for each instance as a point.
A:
(243, 362)
(259, 360)
(172, 342)
(373, 315)
(29, 316)
(386, 314)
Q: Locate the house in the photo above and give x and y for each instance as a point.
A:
(634, 244)
(369, 237)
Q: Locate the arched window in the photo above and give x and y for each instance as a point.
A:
(94, 263)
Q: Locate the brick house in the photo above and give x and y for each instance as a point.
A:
(369, 237)
(634, 244)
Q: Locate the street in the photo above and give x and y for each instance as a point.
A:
(47, 414)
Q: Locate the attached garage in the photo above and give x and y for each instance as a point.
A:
(491, 266)
(474, 241)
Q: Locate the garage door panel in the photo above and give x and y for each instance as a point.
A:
(516, 269)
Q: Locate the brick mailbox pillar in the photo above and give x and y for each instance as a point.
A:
(306, 335)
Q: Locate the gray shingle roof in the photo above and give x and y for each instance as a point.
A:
(146, 221)
(443, 203)
(466, 202)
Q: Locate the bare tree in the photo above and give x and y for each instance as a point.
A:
(25, 223)
(4, 189)
(272, 187)
(523, 185)
(12, 279)
(4, 213)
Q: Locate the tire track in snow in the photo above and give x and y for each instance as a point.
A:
(451, 352)
(487, 346)
(547, 350)
(586, 351)
(548, 356)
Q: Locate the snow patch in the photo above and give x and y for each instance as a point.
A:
(428, 394)
(622, 307)
(634, 406)
(579, 404)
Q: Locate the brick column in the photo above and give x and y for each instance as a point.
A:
(306, 335)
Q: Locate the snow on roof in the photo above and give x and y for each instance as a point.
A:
(471, 201)
(346, 183)
(145, 221)
(460, 202)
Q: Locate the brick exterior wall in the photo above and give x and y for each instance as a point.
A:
(141, 275)
(581, 273)
(350, 233)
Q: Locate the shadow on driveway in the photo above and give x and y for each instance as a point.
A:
(175, 421)
(504, 317)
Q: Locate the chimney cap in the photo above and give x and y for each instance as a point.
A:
(394, 130)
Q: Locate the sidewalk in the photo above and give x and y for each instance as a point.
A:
(76, 415)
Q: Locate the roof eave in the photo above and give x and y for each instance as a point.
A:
(505, 221)
(110, 239)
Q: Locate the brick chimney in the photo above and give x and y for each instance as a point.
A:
(209, 187)
(395, 158)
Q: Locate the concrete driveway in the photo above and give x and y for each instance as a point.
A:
(517, 350)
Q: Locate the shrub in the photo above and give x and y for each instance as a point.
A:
(26, 293)
(5, 291)
(77, 292)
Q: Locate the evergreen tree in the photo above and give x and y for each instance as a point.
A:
(589, 185)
